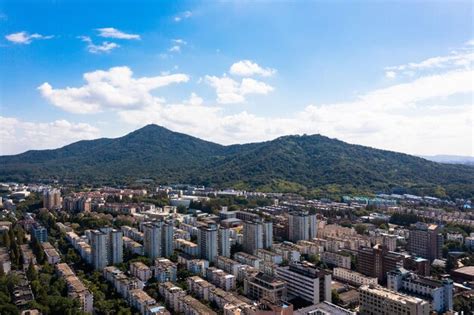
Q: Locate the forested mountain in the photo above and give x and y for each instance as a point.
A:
(315, 165)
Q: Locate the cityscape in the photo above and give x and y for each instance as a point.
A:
(236, 157)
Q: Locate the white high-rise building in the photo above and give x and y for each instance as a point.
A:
(52, 198)
(224, 242)
(257, 234)
(106, 247)
(152, 239)
(301, 226)
(167, 241)
(99, 249)
(207, 242)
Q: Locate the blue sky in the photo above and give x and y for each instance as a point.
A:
(393, 75)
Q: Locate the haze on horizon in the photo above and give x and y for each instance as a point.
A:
(391, 76)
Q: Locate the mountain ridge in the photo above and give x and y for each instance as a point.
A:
(314, 164)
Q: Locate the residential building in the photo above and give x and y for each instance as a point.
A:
(171, 294)
(165, 270)
(152, 235)
(106, 247)
(190, 306)
(377, 261)
(76, 289)
(208, 242)
(264, 286)
(379, 300)
(301, 226)
(352, 277)
(306, 281)
(336, 259)
(324, 308)
(221, 279)
(257, 234)
(248, 259)
(140, 271)
(52, 198)
(426, 241)
(439, 293)
(187, 247)
(39, 233)
(167, 239)
(223, 245)
(52, 255)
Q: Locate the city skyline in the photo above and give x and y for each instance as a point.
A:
(391, 77)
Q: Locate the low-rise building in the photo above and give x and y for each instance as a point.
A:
(265, 286)
(76, 289)
(221, 279)
(52, 255)
(140, 271)
(336, 259)
(248, 259)
(439, 293)
(165, 270)
(199, 287)
(190, 306)
(379, 300)
(324, 308)
(352, 277)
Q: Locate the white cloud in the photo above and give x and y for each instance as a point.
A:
(390, 74)
(175, 48)
(112, 89)
(177, 44)
(231, 91)
(110, 32)
(183, 15)
(18, 136)
(25, 38)
(105, 47)
(194, 99)
(424, 116)
(462, 58)
(247, 68)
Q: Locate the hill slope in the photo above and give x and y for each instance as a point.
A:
(314, 164)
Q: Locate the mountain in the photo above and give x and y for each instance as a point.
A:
(314, 165)
(450, 159)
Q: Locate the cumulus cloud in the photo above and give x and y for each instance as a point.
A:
(112, 89)
(24, 38)
(177, 44)
(194, 99)
(461, 58)
(231, 91)
(182, 16)
(407, 117)
(110, 32)
(18, 136)
(104, 47)
(247, 68)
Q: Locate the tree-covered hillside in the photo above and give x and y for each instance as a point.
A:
(314, 164)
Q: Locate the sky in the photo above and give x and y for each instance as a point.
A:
(394, 75)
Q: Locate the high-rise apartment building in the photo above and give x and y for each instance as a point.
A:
(167, 239)
(223, 245)
(39, 233)
(257, 234)
(426, 241)
(106, 247)
(377, 261)
(208, 242)
(306, 281)
(52, 198)
(152, 235)
(301, 226)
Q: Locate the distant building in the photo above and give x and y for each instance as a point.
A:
(324, 308)
(265, 286)
(39, 233)
(106, 247)
(352, 277)
(426, 241)
(377, 261)
(379, 300)
(223, 242)
(152, 239)
(52, 198)
(165, 270)
(439, 293)
(208, 242)
(257, 234)
(167, 239)
(306, 281)
(301, 226)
